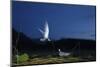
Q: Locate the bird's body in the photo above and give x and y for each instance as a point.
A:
(63, 53)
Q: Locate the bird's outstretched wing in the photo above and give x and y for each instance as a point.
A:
(46, 32)
(41, 31)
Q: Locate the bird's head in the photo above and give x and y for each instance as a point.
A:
(59, 50)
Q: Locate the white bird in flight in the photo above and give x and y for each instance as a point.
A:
(45, 32)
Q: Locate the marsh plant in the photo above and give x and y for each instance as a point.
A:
(22, 58)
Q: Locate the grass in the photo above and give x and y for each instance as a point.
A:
(46, 60)
(50, 60)
(38, 59)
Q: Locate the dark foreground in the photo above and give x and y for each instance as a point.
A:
(27, 51)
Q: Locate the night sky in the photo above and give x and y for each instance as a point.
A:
(65, 20)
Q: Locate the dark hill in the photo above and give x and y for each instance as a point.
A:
(25, 44)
